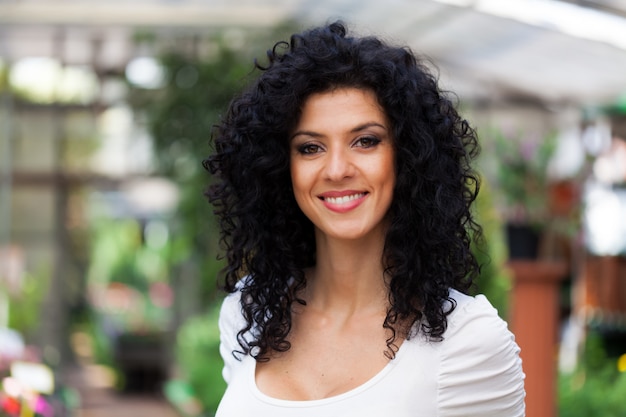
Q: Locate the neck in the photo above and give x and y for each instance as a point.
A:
(348, 275)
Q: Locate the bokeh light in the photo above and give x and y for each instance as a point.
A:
(621, 363)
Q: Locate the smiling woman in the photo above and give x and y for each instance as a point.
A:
(343, 187)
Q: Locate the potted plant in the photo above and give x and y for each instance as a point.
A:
(523, 187)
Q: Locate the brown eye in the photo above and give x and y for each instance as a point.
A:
(308, 148)
(367, 141)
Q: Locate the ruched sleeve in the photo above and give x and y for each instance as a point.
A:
(481, 370)
(230, 322)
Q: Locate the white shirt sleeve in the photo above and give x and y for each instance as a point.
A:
(230, 322)
(481, 370)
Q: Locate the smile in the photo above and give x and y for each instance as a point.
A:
(344, 199)
(342, 202)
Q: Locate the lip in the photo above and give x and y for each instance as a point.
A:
(348, 200)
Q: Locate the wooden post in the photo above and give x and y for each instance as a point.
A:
(534, 321)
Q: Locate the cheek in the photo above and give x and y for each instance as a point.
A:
(387, 169)
(302, 184)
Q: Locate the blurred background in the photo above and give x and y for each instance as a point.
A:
(108, 269)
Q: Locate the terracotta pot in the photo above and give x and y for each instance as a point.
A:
(534, 321)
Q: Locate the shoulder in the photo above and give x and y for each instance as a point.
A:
(231, 318)
(481, 370)
(230, 322)
(231, 307)
(474, 316)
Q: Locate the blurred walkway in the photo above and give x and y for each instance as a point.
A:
(99, 400)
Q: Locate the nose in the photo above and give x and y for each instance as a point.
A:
(338, 165)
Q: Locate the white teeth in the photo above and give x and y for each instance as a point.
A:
(344, 199)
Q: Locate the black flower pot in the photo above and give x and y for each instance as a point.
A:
(523, 241)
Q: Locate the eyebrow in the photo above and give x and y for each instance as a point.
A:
(356, 129)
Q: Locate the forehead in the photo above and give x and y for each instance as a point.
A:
(342, 105)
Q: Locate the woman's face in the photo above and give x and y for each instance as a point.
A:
(342, 163)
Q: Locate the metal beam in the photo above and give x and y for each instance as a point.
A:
(141, 14)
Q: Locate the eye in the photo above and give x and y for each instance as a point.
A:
(367, 141)
(309, 148)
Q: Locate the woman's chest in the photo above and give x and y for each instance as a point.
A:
(322, 364)
(314, 372)
(406, 386)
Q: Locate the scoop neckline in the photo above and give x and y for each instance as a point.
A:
(322, 401)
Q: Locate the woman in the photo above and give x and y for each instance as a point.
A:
(343, 188)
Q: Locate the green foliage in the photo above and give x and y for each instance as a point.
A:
(180, 118)
(494, 280)
(202, 76)
(522, 174)
(124, 274)
(120, 254)
(101, 342)
(115, 243)
(25, 306)
(596, 388)
(197, 354)
(4, 75)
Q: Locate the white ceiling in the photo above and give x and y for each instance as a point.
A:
(480, 55)
(483, 55)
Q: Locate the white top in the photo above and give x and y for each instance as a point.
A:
(475, 371)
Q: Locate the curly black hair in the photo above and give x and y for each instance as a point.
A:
(266, 236)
